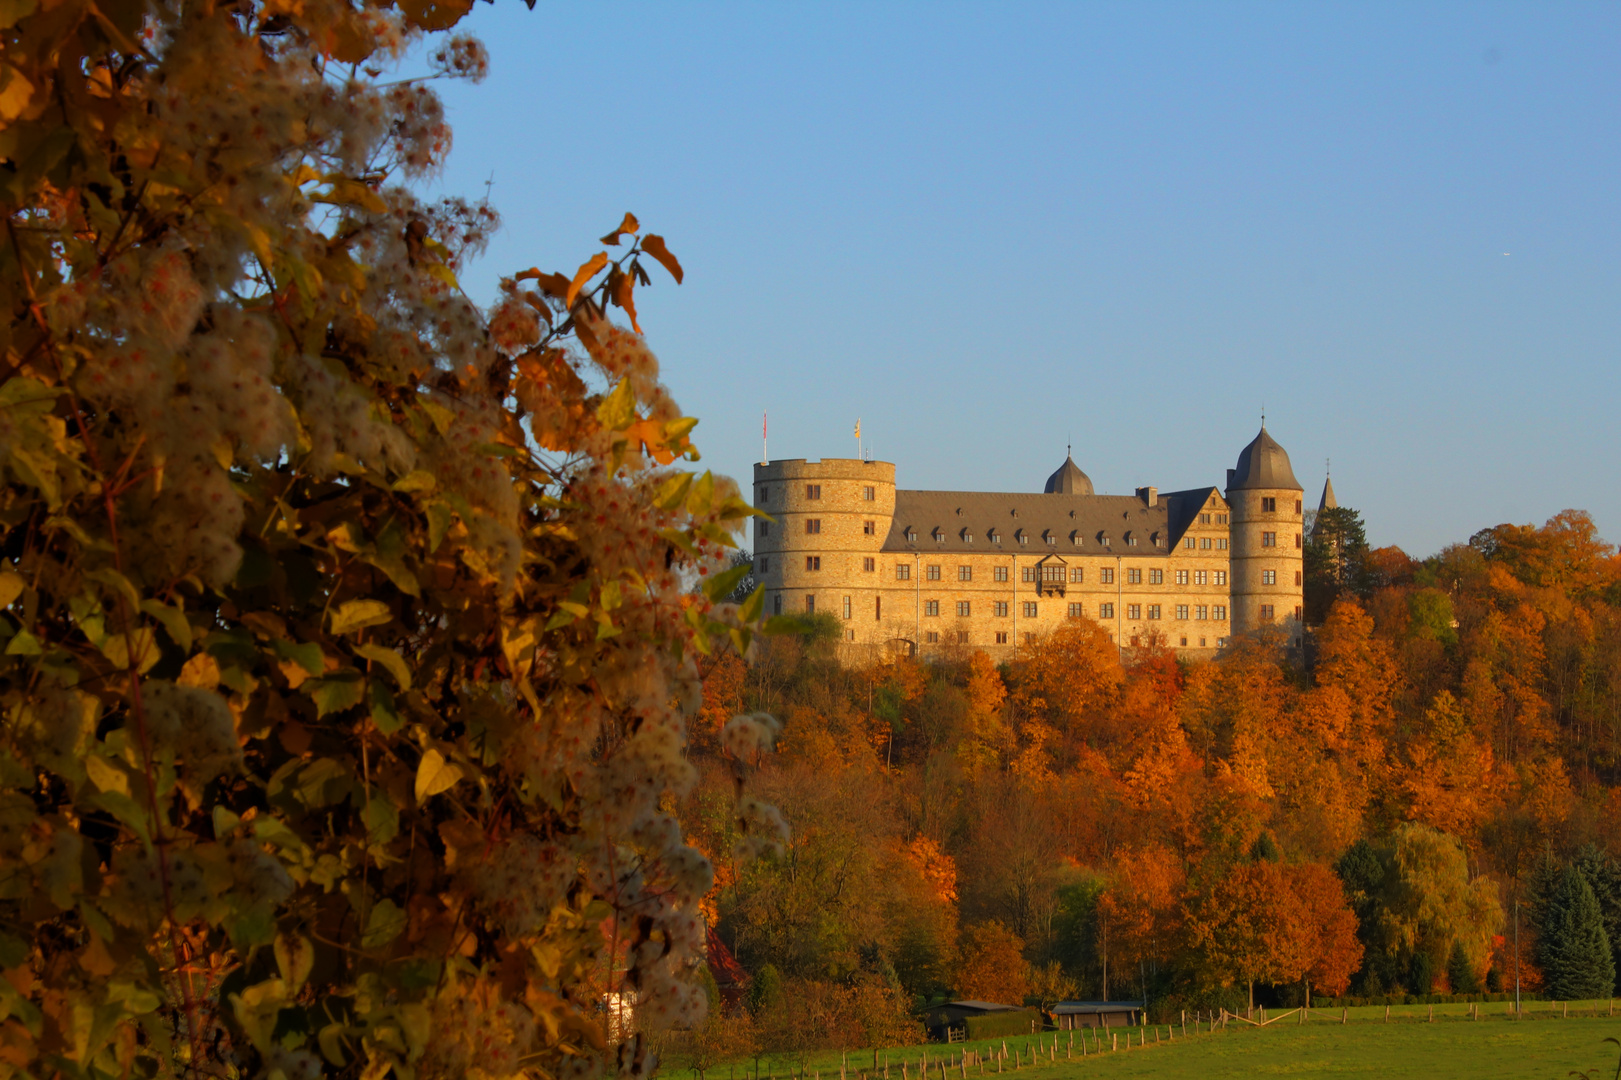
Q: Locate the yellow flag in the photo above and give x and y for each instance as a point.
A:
(858, 427)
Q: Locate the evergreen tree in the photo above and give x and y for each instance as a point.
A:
(1335, 561)
(1579, 963)
(1460, 972)
(1603, 874)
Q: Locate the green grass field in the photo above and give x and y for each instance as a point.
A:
(1544, 1044)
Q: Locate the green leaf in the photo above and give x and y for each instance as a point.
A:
(391, 660)
(384, 713)
(618, 409)
(434, 775)
(673, 491)
(724, 582)
(382, 820)
(24, 644)
(702, 496)
(750, 611)
(307, 655)
(117, 648)
(355, 615)
(385, 923)
(341, 690)
(172, 619)
(105, 775)
(440, 517)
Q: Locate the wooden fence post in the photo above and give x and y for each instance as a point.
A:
(1432, 1014)
(1345, 1013)
(1566, 1014)
(1114, 1041)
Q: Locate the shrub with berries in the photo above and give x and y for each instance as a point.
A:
(346, 639)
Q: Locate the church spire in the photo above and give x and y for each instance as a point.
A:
(1327, 502)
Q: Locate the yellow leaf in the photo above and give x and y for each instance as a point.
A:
(622, 296)
(11, 587)
(618, 409)
(355, 615)
(434, 775)
(653, 244)
(15, 92)
(391, 660)
(202, 671)
(442, 272)
(105, 775)
(585, 273)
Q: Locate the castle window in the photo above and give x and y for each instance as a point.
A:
(967, 537)
(903, 572)
(939, 535)
(1184, 641)
(1075, 611)
(813, 491)
(999, 609)
(1029, 638)
(1181, 577)
(762, 529)
(1219, 613)
(813, 525)
(965, 573)
(1051, 538)
(994, 537)
(869, 564)
(931, 607)
(962, 637)
(1269, 505)
(1052, 573)
(1269, 539)
(1269, 577)
(1027, 573)
(813, 562)
(846, 607)
(1153, 611)
(932, 572)
(911, 537)
(1221, 519)
(1131, 541)
(869, 528)
(1267, 612)
(810, 605)
(1134, 611)
(932, 637)
(765, 495)
(878, 607)
(1001, 637)
(1190, 543)
(1204, 543)
(1297, 540)
(1029, 609)
(1156, 577)
(1201, 612)
(1297, 617)
(762, 565)
(1297, 577)
(962, 609)
(1204, 519)
(1105, 611)
(1106, 575)
(1182, 615)
(1297, 506)
(1134, 576)
(1201, 577)
(1076, 538)
(1221, 577)
(1221, 543)
(869, 494)
(776, 604)
(1077, 574)
(1022, 536)
(999, 573)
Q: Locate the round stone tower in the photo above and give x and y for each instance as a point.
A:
(820, 553)
(1267, 540)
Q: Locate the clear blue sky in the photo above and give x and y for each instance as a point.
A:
(990, 229)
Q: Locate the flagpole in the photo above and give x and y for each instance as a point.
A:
(765, 458)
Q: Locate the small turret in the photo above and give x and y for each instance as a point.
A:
(1267, 539)
(1068, 480)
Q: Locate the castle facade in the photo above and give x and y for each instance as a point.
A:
(932, 571)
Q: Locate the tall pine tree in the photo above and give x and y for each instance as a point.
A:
(1579, 963)
(1603, 874)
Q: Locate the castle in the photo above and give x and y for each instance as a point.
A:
(926, 571)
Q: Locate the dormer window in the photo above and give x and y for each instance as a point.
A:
(911, 537)
(1103, 538)
(993, 536)
(939, 535)
(1131, 541)
(967, 537)
(1021, 536)
(1076, 538)
(959, 511)
(1050, 537)
(1015, 512)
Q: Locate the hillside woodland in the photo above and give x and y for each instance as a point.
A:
(1371, 818)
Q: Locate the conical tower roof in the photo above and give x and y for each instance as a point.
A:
(1327, 502)
(1263, 464)
(1069, 480)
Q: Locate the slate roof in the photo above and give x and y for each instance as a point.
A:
(1069, 480)
(1327, 502)
(956, 522)
(1262, 464)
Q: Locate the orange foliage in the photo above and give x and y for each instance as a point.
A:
(992, 965)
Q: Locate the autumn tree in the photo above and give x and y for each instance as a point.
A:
(1334, 952)
(349, 651)
(991, 965)
(1245, 928)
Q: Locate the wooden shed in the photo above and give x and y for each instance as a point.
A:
(1068, 1015)
(945, 1023)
